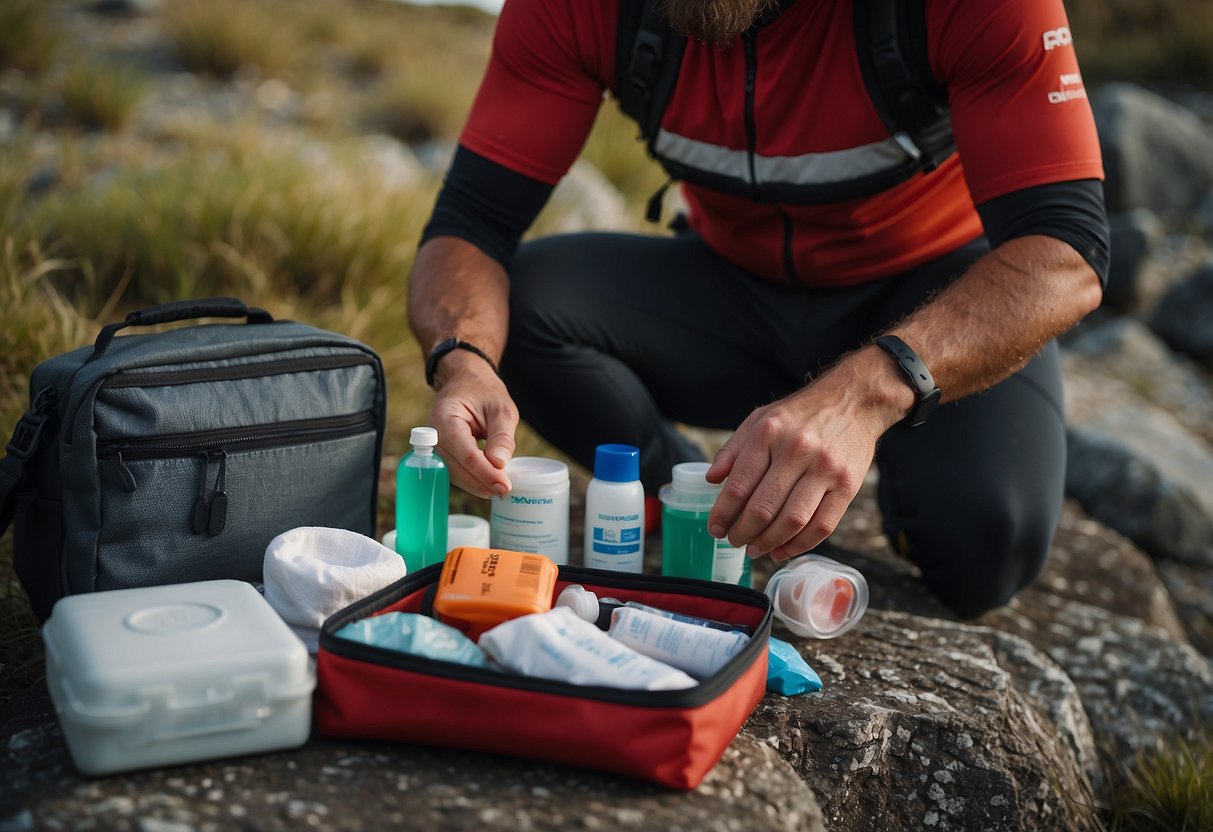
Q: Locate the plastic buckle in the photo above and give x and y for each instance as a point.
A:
(27, 436)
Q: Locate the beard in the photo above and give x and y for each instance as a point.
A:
(715, 22)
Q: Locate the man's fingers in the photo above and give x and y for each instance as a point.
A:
(825, 519)
(747, 474)
(794, 515)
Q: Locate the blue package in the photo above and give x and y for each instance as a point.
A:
(787, 672)
(418, 635)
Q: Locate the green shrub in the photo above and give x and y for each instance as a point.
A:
(1168, 788)
(29, 38)
(100, 95)
(219, 37)
(1144, 40)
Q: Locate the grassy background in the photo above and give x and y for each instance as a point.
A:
(220, 147)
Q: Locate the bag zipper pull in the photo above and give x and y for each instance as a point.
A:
(200, 515)
(217, 517)
(126, 480)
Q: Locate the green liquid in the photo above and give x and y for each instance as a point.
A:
(689, 551)
(423, 493)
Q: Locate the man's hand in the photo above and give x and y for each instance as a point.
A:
(473, 404)
(794, 466)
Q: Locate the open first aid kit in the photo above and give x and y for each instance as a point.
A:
(178, 455)
(669, 736)
(173, 674)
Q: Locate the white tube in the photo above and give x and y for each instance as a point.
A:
(560, 646)
(700, 651)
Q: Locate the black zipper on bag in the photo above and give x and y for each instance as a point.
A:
(235, 372)
(704, 692)
(208, 514)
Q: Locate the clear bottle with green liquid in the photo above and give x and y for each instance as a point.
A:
(423, 495)
(688, 550)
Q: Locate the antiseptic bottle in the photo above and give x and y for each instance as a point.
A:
(423, 494)
(614, 510)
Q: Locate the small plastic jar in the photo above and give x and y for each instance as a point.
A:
(688, 550)
(534, 515)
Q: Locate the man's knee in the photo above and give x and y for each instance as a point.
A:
(983, 554)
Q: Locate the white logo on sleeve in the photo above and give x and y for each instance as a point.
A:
(1070, 88)
(1057, 37)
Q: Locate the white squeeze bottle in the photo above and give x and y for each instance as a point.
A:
(614, 510)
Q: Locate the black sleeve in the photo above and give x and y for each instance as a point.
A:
(486, 204)
(1072, 212)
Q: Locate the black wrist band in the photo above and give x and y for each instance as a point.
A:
(917, 374)
(445, 346)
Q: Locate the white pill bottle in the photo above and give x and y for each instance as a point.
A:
(534, 515)
(614, 510)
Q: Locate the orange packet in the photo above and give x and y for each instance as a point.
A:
(480, 588)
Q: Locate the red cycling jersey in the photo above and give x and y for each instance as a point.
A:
(1019, 114)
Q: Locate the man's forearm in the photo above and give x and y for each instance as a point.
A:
(458, 290)
(991, 321)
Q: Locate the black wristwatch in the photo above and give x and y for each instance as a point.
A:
(446, 345)
(917, 374)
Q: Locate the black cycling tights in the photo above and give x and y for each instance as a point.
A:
(614, 337)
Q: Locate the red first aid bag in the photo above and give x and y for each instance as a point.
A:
(668, 737)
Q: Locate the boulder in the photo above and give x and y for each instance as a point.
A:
(925, 723)
(1184, 315)
(339, 785)
(1121, 361)
(1136, 238)
(1132, 494)
(1157, 154)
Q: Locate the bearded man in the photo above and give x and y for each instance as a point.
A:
(809, 290)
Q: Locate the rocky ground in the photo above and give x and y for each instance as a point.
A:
(1022, 720)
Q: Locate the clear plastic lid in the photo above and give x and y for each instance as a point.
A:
(688, 489)
(817, 597)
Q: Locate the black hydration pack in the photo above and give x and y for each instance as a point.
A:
(891, 43)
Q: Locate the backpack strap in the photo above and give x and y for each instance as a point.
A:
(648, 56)
(31, 432)
(891, 39)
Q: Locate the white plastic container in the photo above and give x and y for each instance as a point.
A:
(818, 597)
(614, 511)
(173, 674)
(467, 530)
(534, 515)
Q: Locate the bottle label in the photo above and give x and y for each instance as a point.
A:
(616, 540)
(728, 563)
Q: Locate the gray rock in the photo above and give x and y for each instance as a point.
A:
(1191, 588)
(1157, 155)
(1184, 316)
(1136, 496)
(1138, 684)
(1122, 361)
(920, 724)
(584, 200)
(1136, 237)
(332, 785)
(1202, 216)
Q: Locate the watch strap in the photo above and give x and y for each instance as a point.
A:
(447, 345)
(917, 374)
